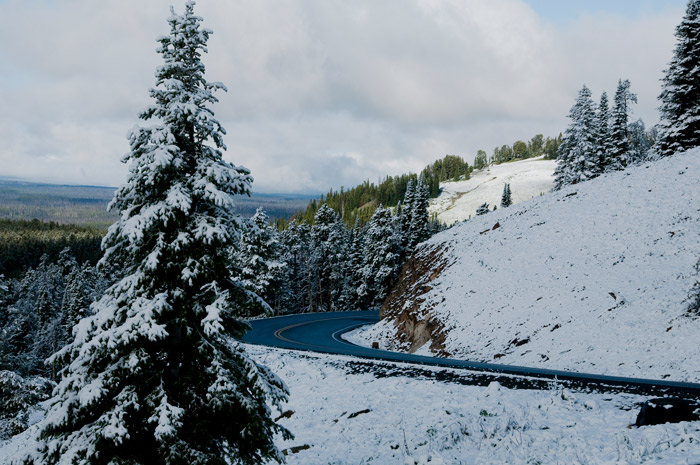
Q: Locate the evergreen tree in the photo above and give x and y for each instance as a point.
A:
(603, 127)
(619, 154)
(296, 290)
(418, 229)
(483, 209)
(481, 160)
(326, 244)
(153, 376)
(406, 217)
(680, 96)
(351, 298)
(381, 258)
(258, 260)
(578, 153)
(506, 200)
(639, 141)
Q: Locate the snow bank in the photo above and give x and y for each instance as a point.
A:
(591, 278)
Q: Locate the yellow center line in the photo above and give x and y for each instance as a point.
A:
(278, 333)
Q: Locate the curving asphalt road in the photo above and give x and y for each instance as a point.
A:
(320, 332)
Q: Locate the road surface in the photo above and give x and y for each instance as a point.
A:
(320, 332)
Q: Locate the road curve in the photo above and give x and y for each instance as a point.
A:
(320, 332)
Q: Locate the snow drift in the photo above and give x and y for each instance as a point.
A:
(591, 278)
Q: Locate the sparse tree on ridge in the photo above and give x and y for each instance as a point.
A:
(506, 200)
(680, 96)
(481, 160)
(154, 376)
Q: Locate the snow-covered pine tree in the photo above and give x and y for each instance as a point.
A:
(258, 261)
(297, 283)
(406, 216)
(353, 260)
(578, 153)
(679, 129)
(154, 376)
(326, 246)
(506, 200)
(619, 154)
(418, 228)
(483, 209)
(639, 142)
(381, 257)
(603, 127)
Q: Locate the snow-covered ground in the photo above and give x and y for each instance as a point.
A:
(343, 412)
(592, 278)
(459, 200)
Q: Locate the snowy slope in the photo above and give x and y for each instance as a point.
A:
(527, 178)
(592, 278)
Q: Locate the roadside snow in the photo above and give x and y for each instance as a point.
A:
(343, 411)
(459, 200)
(592, 278)
(400, 419)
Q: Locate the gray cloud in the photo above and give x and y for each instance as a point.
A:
(322, 93)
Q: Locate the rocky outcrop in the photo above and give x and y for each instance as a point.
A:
(406, 304)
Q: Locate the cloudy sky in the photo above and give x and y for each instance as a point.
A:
(322, 93)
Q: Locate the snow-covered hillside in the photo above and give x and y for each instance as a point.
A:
(527, 178)
(591, 278)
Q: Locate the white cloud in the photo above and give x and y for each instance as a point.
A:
(322, 93)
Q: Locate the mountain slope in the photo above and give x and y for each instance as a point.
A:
(460, 199)
(591, 278)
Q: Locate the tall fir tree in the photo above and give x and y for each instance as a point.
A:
(679, 129)
(419, 228)
(506, 199)
(326, 244)
(259, 263)
(381, 257)
(405, 210)
(154, 376)
(603, 127)
(639, 141)
(578, 154)
(619, 154)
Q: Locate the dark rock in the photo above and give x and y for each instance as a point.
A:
(353, 415)
(668, 410)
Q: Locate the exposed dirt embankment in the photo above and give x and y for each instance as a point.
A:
(406, 304)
